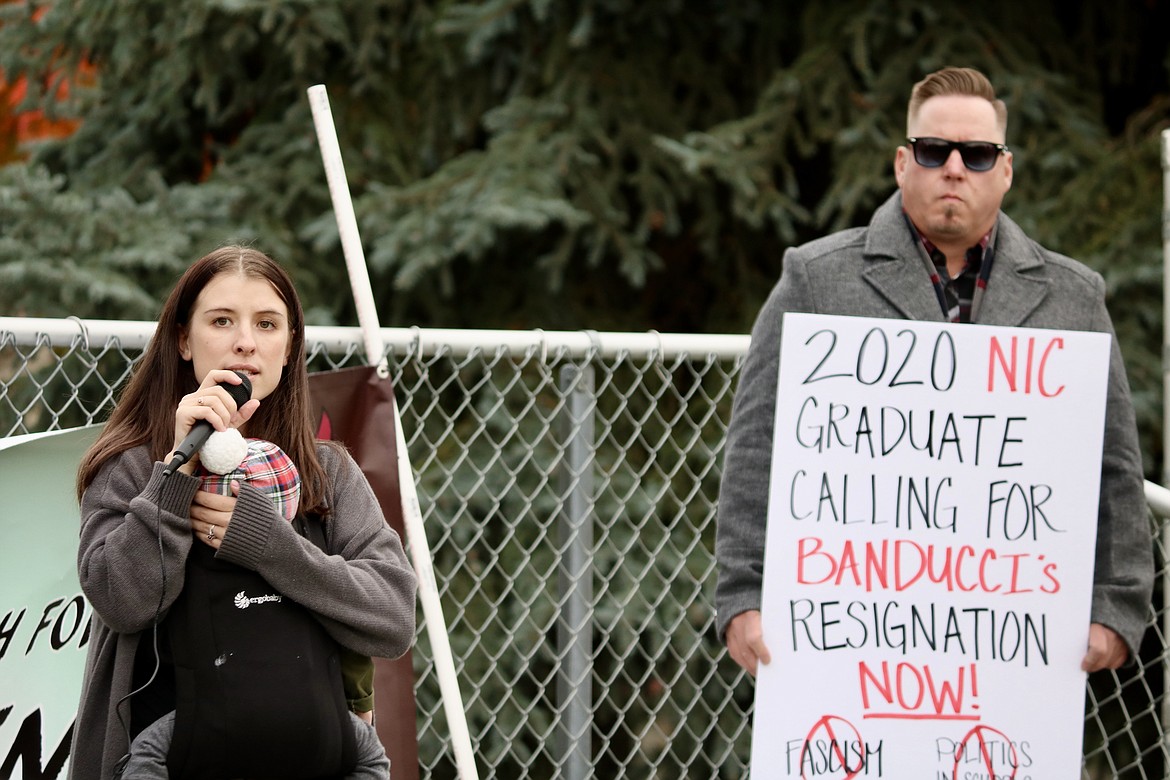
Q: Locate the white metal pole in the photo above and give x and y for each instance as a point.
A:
(1165, 405)
(428, 590)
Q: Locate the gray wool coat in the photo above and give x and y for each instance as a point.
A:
(876, 271)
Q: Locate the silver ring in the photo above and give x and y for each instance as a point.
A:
(211, 534)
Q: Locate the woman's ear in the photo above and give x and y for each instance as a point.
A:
(184, 346)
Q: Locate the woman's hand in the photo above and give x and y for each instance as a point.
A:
(213, 404)
(211, 514)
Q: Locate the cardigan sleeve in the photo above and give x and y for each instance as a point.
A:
(135, 536)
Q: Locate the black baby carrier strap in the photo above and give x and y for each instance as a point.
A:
(258, 679)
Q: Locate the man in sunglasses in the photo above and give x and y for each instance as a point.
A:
(938, 249)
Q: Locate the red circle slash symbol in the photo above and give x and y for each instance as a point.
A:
(985, 752)
(835, 745)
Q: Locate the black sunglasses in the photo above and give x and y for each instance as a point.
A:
(977, 155)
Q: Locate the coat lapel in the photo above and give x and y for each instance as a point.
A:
(892, 265)
(906, 286)
(1019, 278)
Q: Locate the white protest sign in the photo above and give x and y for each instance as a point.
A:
(44, 619)
(929, 556)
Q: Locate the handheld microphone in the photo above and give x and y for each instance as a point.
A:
(240, 393)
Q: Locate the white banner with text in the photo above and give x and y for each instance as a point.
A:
(44, 619)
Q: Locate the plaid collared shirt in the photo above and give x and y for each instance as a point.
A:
(959, 297)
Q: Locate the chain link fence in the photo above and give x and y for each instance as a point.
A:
(568, 484)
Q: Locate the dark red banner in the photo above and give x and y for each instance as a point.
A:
(357, 409)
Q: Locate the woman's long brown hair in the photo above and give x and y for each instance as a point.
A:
(145, 413)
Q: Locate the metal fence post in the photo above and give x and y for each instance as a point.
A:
(1165, 708)
(575, 582)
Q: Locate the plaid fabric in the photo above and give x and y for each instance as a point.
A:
(268, 469)
(959, 297)
(960, 292)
